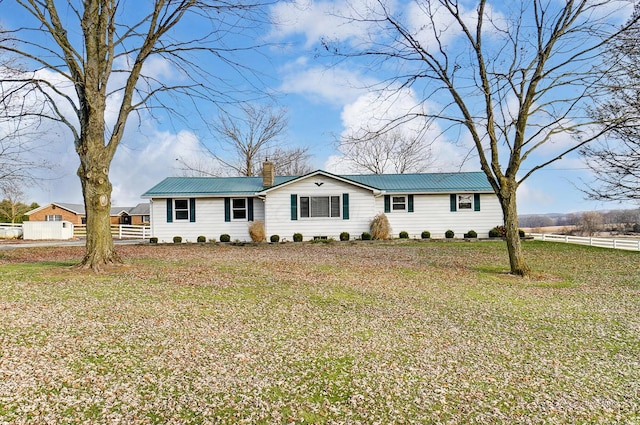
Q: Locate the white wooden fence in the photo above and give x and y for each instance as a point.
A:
(627, 244)
(119, 231)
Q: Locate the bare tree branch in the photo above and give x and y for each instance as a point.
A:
(516, 78)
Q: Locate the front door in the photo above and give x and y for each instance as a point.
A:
(125, 219)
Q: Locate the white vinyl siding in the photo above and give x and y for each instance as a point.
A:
(210, 221)
(278, 209)
(433, 213)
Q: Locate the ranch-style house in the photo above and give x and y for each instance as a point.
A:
(322, 205)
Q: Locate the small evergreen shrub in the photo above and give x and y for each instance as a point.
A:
(449, 234)
(177, 239)
(297, 237)
(225, 238)
(201, 239)
(521, 233)
(471, 234)
(404, 235)
(153, 240)
(344, 236)
(274, 238)
(380, 227)
(366, 236)
(256, 231)
(425, 234)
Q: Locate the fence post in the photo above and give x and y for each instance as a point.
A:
(120, 231)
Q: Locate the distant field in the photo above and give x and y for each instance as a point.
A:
(338, 333)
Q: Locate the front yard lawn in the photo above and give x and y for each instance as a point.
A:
(336, 333)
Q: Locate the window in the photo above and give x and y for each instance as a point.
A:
(465, 202)
(53, 218)
(399, 203)
(239, 208)
(181, 209)
(319, 206)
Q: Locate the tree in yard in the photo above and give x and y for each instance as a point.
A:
(107, 52)
(12, 207)
(245, 140)
(517, 78)
(19, 159)
(387, 152)
(615, 161)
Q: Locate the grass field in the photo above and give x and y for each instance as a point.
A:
(339, 333)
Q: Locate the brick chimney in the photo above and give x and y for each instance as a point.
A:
(268, 173)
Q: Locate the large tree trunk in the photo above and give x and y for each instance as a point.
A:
(96, 190)
(517, 262)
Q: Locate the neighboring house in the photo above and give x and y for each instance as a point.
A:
(321, 204)
(75, 213)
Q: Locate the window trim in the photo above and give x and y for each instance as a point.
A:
(404, 203)
(332, 207)
(177, 210)
(235, 209)
(53, 217)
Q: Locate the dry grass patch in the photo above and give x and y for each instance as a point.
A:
(332, 333)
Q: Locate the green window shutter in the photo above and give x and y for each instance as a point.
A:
(387, 203)
(453, 202)
(169, 210)
(476, 202)
(294, 207)
(227, 209)
(345, 206)
(192, 210)
(250, 209)
(410, 203)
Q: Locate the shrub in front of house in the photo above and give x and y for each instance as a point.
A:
(177, 239)
(521, 233)
(404, 235)
(425, 234)
(498, 232)
(225, 238)
(380, 227)
(201, 239)
(449, 234)
(274, 238)
(256, 231)
(297, 237)
(471, 234)
(366, 236)
(153, 240)
(345, 236)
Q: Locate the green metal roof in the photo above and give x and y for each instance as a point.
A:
(399, 183)
(211, 186)
(426, 182)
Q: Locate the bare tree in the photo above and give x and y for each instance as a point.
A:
(392, 151)
(615, 162)
(12, 207)
(590, 223)
(103, 50)
(290, 162)
(517, 78)
(245, 140)
(19, 159)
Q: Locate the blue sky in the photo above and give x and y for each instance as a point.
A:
(324, 99)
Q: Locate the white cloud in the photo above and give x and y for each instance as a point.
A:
(137, 168)
(336, 86)
(318, 20)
